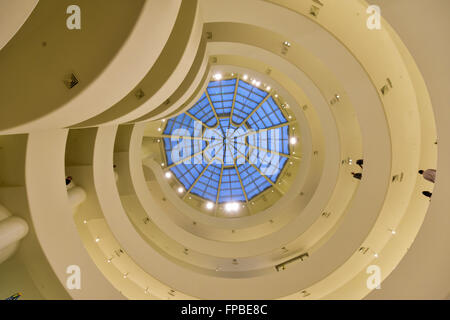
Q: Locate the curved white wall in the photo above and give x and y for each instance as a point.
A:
(13, 15)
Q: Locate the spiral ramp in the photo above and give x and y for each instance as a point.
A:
(92, 104)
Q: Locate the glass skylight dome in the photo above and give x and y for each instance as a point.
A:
(231, 145)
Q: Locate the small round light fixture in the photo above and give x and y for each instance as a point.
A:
(168, 175)
(180, 189)
(209, 205)
(245, 77)
(293, 140)
(287, 44)
(217, 76)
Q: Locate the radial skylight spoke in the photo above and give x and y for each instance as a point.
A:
(220, 183)
(215, 113)
(234, 100)
(237, 172)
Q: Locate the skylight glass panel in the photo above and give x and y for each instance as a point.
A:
(202, 111)
(230, 187)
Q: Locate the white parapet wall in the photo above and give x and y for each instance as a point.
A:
(76, 196)
(12, 230)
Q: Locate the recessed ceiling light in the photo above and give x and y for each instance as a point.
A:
(245, 77)
(209, 205)
(376, 255)
(276, 96)
(232, 207)
(84, 221)
(268, 88)
(168, 175)
(97, 239)
(180, 189)
(217, 76)
(293, 140)
(159, 129)
(257, 83)
(287, 44)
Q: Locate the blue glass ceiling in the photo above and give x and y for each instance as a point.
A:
(231, 145)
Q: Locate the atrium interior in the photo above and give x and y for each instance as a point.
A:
(206, 149)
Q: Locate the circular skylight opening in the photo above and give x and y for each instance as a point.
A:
(231, 146)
